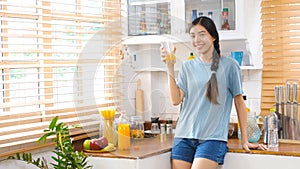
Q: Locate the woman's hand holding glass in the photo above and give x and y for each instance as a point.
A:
(167, 50)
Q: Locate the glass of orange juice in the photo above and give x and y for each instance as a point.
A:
(123, 136)
(169, 47)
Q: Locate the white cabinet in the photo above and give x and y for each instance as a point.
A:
(148, 22)
(182, 17)
(165, 17)
(158, 161)
(259, 161)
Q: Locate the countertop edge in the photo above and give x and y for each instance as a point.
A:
(152, 147)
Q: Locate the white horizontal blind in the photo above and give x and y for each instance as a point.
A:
(281, 46)
(58, 58)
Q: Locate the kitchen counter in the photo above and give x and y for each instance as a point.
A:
(141, 149)
(149, 153)
(148, 147)
(284, 149)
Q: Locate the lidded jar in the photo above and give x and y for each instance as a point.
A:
(154, 125)
(137, 127)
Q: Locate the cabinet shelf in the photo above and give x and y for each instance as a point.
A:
(149, 2)
(250, 68)
(178, 38)
(140, 40)
(155, 69)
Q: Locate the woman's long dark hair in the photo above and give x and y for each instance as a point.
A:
(212, 91)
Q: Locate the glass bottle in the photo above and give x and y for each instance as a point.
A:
(272, 129)
(194, 14)
(225, 25)
(210, 14)
(200, 14)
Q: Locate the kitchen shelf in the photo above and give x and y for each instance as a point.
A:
(153, 69)
(150, 39)
(250, 68)
(149, 2)
(179, 38)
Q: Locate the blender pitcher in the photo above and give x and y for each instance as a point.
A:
(253, 129)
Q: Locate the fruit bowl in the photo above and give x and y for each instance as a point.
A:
(110, 148)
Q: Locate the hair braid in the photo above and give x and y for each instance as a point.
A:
(212, 91)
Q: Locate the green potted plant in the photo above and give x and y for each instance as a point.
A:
(66, 156)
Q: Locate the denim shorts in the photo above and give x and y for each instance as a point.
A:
(188, 149)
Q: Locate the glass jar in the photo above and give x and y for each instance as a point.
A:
(107, 124)
(137, 127)
(154, 125)
(169, 125)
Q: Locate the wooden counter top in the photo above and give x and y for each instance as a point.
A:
(140, 149)
(148, 147)
(284, 149)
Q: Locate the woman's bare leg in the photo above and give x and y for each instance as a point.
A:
(180, 164)
(203, 163)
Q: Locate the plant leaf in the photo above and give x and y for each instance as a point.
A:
(53, 123)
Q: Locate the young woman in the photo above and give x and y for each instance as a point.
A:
(206, 87)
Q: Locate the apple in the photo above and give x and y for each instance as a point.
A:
(94, 145)
(86, 144)
(102, 142)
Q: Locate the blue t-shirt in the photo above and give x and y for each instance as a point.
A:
(199, 118)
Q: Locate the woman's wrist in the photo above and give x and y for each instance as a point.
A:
(170, 70)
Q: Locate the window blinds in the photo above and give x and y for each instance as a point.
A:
(58, 58)
(281, 47)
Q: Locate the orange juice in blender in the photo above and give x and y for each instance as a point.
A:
(123, 136)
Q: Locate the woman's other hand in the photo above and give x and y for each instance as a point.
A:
(248, 146)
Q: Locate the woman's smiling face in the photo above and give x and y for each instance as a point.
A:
(201, 39)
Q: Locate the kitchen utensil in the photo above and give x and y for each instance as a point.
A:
(276, 92)
(295, 123)
(139, 100)
(288, 112)
(281, 98)
(265, 138)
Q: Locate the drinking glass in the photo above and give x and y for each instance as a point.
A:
(169, 47)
